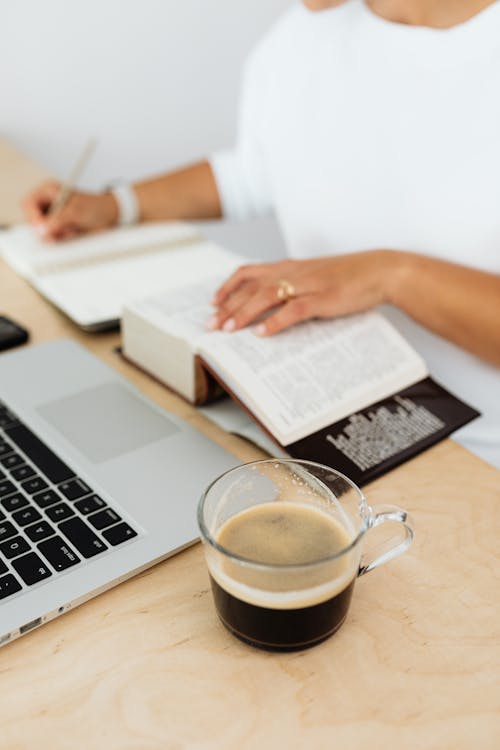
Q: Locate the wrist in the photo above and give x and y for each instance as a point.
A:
(109, 209)
(398, 270)
(126, 204)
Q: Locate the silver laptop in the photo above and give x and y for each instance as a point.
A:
(96, 483)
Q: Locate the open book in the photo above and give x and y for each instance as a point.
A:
(349, 392)
(90, 279)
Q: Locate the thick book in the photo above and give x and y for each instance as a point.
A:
(351, 393)
(91, 278)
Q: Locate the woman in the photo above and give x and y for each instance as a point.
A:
(372, 129)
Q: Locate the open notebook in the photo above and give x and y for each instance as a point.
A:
(92, 278)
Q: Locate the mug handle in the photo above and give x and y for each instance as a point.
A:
(387, 550)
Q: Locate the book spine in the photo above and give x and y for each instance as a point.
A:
(225, 389)
(207, 388)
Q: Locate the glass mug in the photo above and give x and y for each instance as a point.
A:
(283, 543)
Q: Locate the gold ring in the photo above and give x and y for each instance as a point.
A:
(285, 290)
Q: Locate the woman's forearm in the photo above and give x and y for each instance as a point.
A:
(188, 193)
(459, 303)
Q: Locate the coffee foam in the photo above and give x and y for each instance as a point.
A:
(284, 539)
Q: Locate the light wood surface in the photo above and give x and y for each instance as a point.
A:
(18, 174)
(148, 666)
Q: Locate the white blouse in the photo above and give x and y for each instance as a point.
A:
(360, 133)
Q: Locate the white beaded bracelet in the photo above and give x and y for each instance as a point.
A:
(128, 206)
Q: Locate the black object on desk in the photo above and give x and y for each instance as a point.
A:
(11, 333)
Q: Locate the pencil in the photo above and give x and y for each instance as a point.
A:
(68, 186)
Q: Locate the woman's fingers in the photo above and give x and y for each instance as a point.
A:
(264, 273)
(253, 290)
(36, 206)
(244, 307)
(82, 212)
(294, 311)
(37, 203)
(240, 296)
(239, 277)
(67, 221)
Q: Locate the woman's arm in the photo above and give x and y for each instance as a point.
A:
(459, 303)
(189, 193)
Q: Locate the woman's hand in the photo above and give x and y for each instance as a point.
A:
(322, 288)
(83, 212)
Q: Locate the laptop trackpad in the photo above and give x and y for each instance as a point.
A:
(106, 421)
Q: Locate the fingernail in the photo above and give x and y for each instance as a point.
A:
(261, 329)
(213, 301)
(213, 323)
(41, 229)
(229, 325)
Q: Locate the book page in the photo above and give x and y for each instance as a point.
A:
(184, 311)
(315, 373)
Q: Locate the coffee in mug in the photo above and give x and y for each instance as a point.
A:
(283, 534)
(283, 545)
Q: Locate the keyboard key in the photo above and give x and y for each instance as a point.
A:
(49, 464)
(2, 475)
(74, 489)
(31, 568)
(5, 448)
(11, 461)
(44, 499)
(39, 531)
(6, 488)
(7, 529)
(2, 515)
(13, 547)
(26, 515)
(82, 537)
(9, 585)
(58, 553)
(60, 512)
(22, 472)
(90, 504)
(35, 484)
(118, 534)
(3, 568)
(104, 518)
(14, 502)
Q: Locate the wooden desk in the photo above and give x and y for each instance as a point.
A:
(147, 665)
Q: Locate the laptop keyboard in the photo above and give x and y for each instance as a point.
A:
(50, 519)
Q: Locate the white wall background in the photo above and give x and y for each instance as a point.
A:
(155, 80)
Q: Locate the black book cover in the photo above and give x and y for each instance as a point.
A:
(380, 437)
